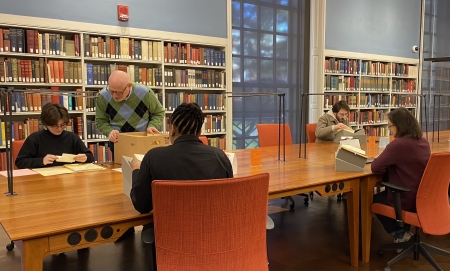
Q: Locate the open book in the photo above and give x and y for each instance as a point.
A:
(68, 168)
(350, 130)
(354, 150)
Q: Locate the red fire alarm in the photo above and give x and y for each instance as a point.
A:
(122, 13)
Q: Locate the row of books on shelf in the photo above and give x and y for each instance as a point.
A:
(377, 130)
(353, 83)
(368, 117)
(99, 74)
(40, 71)
(101, 152)
(364, 67)
(122, 48)
(32, 42)
(404, 85)
(186, 54)
(20, 130)
(211, 124)
(218, 142)
(33, 102)
(371, 100)
(206, 101)
(194, 78)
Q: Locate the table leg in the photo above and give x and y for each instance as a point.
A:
(367, 186)
(353, 221)
(33, 252)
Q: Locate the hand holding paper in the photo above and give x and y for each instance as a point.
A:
(66, 158)
(80, 158)
(49, 159)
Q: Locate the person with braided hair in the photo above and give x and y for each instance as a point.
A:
(186, 159)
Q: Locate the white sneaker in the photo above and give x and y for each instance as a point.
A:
(406, 237)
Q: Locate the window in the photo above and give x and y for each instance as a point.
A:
(267, 53)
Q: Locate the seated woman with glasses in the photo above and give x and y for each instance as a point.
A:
(402, 163)
(332, 122)
(41, 148)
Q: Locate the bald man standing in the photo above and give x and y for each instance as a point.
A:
(124, 106)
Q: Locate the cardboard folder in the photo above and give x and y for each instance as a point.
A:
(350, 159)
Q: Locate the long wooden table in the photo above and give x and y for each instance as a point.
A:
(62, 213)
(67, 212)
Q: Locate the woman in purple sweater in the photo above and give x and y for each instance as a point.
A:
(402, 163)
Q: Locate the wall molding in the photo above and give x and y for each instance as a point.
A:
(363, 56)
(100, 29)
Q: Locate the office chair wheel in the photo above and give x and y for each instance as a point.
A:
(380, 252)
(10, 246)
(306, 201)
(292, 206)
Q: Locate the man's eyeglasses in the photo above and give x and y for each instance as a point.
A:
(62, 126)
(389, 126)
(117, 92)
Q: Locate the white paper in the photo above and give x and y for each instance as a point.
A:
(233, 160)
(127, 174)
(384, 141)
(66, 158)
(351, 142)
(19, 172)
(139, 157)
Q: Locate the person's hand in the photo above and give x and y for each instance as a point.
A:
(113, 136)
(81, 158)
(340, 126)
(152, 130)
(49, 159)
(135, 164)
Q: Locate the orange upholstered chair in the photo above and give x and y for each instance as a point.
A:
(211, 224)
(268, 137)
(311, 132)
(204, 139)
(433, 212)
(16, 146)
(268, 134)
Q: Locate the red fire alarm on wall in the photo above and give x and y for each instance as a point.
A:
(122, 13)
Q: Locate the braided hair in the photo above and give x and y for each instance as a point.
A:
(187, 119)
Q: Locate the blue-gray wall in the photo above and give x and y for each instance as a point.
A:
(382, 27)
(200, 17)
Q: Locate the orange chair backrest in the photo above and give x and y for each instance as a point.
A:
(311, 132)
(432, 204)
(227, 231)
(16, 146)
(268, 134)
(204, 139)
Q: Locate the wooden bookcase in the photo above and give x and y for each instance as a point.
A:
(372, 86)
(176, 70)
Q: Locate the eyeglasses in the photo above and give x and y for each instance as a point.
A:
(389, 126)
(62, 126)
(117, 92)
(342, 115)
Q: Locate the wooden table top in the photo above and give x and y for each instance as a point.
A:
(83, 200)
(295, 172)
(48, 205)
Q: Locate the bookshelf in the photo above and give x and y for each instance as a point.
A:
(372, 85)
(176, 70)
